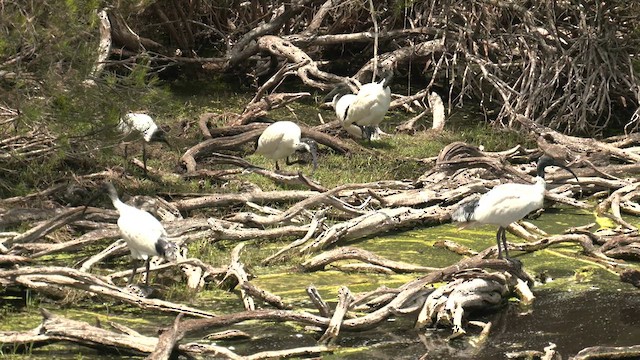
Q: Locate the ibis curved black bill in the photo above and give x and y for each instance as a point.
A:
(105, 186)
(546, 160)
(312, 147)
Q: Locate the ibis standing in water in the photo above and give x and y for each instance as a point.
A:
(368, 108)
(507, 203)
(145, 126)
(281, 139)
(144, 234)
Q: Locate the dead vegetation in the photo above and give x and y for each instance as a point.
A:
(556, 66)
(369, 209)
(564, 65)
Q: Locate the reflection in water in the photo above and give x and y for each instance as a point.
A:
(567, 311)
(571, 320)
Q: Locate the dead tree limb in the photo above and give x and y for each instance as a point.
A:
(344, 303)
(167, 342)
(343, 253)
(54, 279)
(608, 352)
(236, 270)
(307, 69)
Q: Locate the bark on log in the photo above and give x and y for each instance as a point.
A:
(104, 46)
(342, 253)
(608, 352)
(57, 278)
(552, 139)
(308, 70)
(167, 342)
(236, 270)
(316, 299)
(344, 302)
(225, 200)
(379, 221)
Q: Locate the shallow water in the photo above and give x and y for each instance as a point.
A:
(584, 304)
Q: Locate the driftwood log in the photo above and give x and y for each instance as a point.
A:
(357, 211)
(453, 42)
(543, 72)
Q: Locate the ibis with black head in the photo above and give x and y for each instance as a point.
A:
(144, 125)
(144, 234)
(507, 203)
(369, 107)
(282, 139)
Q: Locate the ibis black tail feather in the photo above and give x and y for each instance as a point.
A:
(465, 211)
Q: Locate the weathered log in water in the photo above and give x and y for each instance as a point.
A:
(446, 305)
(342, 253)
(54, 280)
(608, 352)
(357, 211)
(549, 353)
(57, 329)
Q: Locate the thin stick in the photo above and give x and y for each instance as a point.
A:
(372, 11)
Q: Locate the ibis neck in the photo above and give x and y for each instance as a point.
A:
(117, 203)
(115, 200)
(335, 100)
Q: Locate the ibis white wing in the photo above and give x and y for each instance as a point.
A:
(507, 203)
(142, 123)
(343, 104)
(279, 140)
(141, 231)
(370, 105)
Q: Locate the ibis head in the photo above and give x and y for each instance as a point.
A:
(161, 136)
(545, 160)
(311, 146)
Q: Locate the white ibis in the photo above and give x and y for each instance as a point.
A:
(144, 234)
(507, 203)
(145, 126)
(341, 103)
(368, 108)
(281, 139)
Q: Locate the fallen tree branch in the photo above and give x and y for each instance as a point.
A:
(54, 279)
(343, 253)
(344, 302)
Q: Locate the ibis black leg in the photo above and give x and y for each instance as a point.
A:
(126, 158)
(146, 281)
(277, 166)
(504, 243)
(144, 158)
(133, 271)
(295, 162)
(289, 162)
(366, 133)
(498, 238)
(501, 238)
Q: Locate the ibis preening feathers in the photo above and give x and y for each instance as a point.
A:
(281, 139)
(341, 103)
(507, 203)
(144, 234)
(145, 126)
(367, 108)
